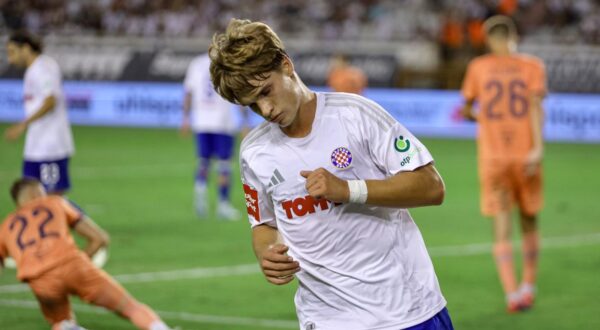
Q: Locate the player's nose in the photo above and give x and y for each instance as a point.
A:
(266, 108)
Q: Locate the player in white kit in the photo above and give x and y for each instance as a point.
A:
(214, 126)
(49, 141)
(328, 180)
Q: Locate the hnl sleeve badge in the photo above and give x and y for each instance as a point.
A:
(341, 158)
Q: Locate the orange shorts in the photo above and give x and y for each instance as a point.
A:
(505, 182)
(79, 277)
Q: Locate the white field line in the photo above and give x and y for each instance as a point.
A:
(179, 316)
(247, 269)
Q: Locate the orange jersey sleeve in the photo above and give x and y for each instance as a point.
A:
(38, 237)
(537, 81)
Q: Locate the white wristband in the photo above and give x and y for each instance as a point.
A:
(358, 191)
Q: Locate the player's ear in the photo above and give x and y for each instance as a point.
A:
(287, 67)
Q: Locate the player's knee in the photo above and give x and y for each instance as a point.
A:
(224, 167)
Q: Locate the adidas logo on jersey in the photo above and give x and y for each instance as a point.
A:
(276, 179)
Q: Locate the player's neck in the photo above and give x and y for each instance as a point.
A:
(30, 59)
(302, 126)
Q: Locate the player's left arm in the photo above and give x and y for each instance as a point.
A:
(16, 130)
(96, 237)
(422, 187)
(537, 93)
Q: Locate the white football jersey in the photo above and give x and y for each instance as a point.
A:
(363, 267)
(210, 113)
(50, 137)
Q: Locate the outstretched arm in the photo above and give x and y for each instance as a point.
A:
(15, 131)
(96, 237)
(421, 187)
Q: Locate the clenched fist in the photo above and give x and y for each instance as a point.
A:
(320, 183)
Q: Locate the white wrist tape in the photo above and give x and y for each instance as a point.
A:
(358, 191)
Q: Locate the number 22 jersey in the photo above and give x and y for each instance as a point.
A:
(37, 235)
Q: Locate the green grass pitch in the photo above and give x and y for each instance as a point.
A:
(137, 184)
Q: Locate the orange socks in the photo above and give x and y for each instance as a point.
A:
(530, 257)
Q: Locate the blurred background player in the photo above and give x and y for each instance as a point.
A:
(345, 78)
(213, 123)
(37, 236)
(49, 141)
(509, 88)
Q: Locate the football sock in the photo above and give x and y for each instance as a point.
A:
(504, 262)
(530, 256)
(142, 316)
(202, 170)
(224, 179)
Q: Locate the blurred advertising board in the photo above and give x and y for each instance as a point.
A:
(569, 117)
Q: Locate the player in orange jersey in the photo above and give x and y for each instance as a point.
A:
(37, 236)
(344, 77)
(509, 88)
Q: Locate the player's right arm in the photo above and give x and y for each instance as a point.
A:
(187, 105)
(278, 267)
(96, 237)
(469, 92)
(16, 130)
(271, 253)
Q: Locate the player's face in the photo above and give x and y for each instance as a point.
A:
(277, 98)
(14, 52)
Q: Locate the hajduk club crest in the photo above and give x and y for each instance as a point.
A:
(341, 158)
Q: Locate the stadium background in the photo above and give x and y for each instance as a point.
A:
(123, 63)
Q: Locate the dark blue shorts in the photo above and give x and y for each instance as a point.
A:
(214, 145)
(440, 321)
(53, 174)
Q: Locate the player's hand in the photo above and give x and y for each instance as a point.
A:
(320, 183)
(15, 131)
(185, 129)
(467, 113)
(533, 161)
(278, 267)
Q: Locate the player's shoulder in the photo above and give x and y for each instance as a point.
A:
(355, 108)
(200, 60)
(530, 60)
(258, 138)
(482, 60)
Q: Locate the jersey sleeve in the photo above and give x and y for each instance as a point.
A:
(538, 79)
(392, 147)
(73, 215)
(189, 80)
(469, 86)
(258, 203)
(48, 81)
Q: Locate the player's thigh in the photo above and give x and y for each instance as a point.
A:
(52, 295)
(95, 286)
(496, 187)
(224, 146)
(204, 145)
(529, 188)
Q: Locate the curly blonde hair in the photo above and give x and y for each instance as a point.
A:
(246, 51)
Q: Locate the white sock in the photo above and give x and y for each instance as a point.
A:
(159, 325)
